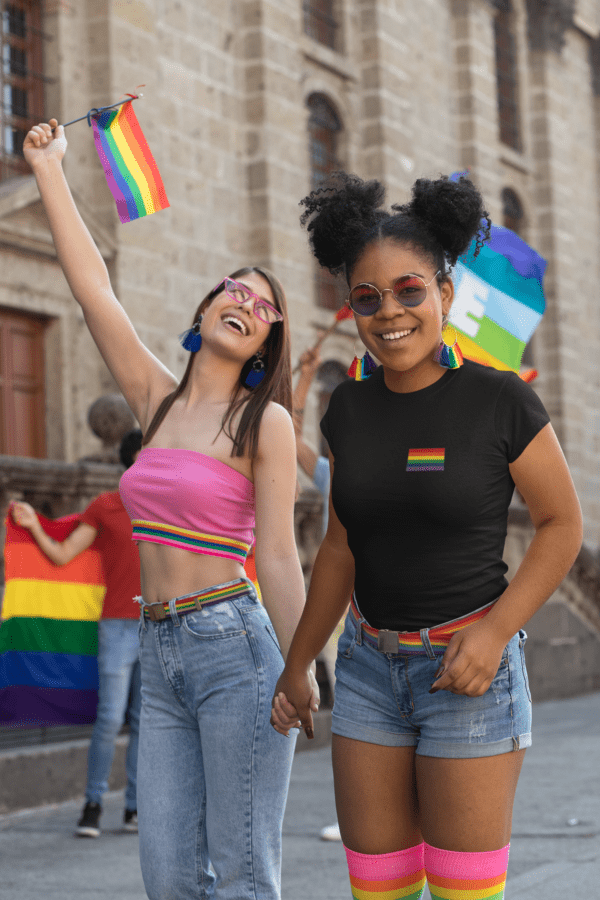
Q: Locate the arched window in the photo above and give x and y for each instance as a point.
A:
(324, 129)
(513, 216)
(21, 80)
(506, 76)
(330, 374)
(320, 23)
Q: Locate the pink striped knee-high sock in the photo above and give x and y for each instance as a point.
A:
(466, 876)
(387, 876)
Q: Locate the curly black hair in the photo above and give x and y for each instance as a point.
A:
(344, 215)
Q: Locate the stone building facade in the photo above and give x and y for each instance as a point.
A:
(246, 104)
(231, 88)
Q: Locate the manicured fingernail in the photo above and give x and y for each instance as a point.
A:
(440, 671)
(434, 690)
(309, 732)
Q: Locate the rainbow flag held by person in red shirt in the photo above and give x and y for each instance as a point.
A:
(49, 631)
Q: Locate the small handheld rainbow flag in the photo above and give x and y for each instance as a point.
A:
(131, 172)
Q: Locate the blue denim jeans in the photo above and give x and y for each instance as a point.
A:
(213, 773)
(118, 693)
(383, 698)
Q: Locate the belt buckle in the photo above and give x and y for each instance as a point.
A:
(387, 641)
(156, 611)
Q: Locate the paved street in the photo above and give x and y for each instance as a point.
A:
(555, 849)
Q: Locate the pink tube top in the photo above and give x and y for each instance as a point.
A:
(185, 499)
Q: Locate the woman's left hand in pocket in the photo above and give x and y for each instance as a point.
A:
(471, 661)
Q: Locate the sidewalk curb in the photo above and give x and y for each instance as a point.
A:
(53, 773)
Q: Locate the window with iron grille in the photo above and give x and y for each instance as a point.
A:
(506, 77)
(21, 80)
(324, 128)
(320, 23)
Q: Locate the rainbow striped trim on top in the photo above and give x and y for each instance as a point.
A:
(428, 459)
(410, 642)
(195, 541)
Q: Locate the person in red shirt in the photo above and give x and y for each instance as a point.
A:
(118, 662)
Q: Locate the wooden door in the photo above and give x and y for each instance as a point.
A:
(22, 394)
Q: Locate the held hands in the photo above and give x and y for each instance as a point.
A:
(471, 660)
(41, 145)
(296, 698)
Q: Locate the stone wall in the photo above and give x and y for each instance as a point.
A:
(563, 645)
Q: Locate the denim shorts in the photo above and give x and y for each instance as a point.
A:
(383, 698)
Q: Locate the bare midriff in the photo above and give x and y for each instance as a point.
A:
(169, 572)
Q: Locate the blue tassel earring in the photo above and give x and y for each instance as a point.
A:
(192, 339)
(256, 372)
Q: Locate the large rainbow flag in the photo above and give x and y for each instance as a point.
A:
(128, 164)
(49, 632)
(499, 299)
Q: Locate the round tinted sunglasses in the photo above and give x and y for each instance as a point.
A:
(241, 294)
(408, 290)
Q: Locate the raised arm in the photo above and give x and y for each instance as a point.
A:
(59, 552)
(142, 378)
(309, 364)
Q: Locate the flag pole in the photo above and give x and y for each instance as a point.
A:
(102, 109)
(343, 313)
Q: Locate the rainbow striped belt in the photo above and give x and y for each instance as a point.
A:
(413, 643)
(196, 541)
(156, 612)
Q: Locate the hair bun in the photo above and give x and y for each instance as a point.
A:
(452, 212)
(338, 214)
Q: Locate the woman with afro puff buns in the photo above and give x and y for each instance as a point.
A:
(432, 710)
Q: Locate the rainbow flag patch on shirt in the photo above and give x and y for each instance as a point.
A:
(427, 459)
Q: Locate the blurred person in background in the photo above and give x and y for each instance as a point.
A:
(317, 468)
(118, 660)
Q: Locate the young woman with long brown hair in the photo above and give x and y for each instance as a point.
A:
(217, 464)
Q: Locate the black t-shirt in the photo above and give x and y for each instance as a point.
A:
(421, 484)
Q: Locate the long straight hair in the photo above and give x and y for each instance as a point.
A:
(276, 385)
